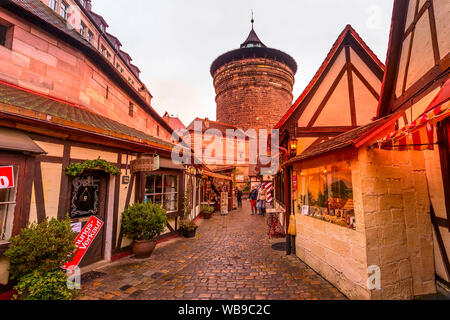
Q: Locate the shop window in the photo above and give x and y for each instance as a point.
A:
(163, 190)
(326, 193)
(7, 206)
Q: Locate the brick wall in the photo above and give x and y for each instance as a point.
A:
(253, 93)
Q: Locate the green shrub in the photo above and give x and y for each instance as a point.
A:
(207, 209)
(44, 286)
(43, 247)
(143, 221)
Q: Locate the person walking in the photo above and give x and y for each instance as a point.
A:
(262, 198)
(239, 197)
(253, 198)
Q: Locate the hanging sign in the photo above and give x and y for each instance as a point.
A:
(84, 241)
(6, 177)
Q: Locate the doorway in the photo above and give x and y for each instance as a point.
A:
(89, 194)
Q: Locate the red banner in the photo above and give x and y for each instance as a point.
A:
(85, 240)
(6, 177)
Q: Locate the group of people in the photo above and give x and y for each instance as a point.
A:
(258, 200)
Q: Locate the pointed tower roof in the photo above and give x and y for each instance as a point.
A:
(253, 48)
(253, 41)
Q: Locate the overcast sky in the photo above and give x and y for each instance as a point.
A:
(174, 42)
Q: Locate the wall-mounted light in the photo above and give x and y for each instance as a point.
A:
(293, 147)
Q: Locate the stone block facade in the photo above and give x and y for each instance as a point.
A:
(393, 232)
(40, 62)
(253, 93)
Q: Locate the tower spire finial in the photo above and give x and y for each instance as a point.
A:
(253, 19)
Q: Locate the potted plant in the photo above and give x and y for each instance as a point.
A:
(207, 211)
(142, 223)
(188, 228)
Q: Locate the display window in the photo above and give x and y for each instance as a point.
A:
(163, 190)
(7, 206)
(326, 193)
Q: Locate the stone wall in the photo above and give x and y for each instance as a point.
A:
(393, 230)
(397, 223)
(253, 93)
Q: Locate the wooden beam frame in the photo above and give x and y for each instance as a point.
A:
(351, 88)
(328, 96)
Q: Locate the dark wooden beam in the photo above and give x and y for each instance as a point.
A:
(64, 191)
(328, 96)
(441, 244)
(434, 37)
(394, 54)
(427, 83)
(39, 193)
(374, 92)
(351, 88)
(116, 203)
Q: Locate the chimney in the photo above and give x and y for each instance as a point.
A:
(88, 5)
(206, 123)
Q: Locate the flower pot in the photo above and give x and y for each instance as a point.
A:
(207, 215)
(143, 249)
(188, 233)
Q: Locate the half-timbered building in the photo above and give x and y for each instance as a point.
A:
(69, 95)
(371, 204)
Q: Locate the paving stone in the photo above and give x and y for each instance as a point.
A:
(231, 258)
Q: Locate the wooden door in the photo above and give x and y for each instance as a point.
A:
(88, 198)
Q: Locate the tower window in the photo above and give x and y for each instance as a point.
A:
(107, 92)
(6, 35)
(90, 36)
(3, 31)
(131, 110)
(63, 10)
(53, 5)
(83, 30)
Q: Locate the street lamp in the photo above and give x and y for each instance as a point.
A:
(293, 147)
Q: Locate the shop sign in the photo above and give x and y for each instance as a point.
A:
(145, 164)
(294, 182)
(125, 179)
(7, 177)
(84, 241)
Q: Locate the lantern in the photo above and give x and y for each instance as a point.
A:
(293, 147)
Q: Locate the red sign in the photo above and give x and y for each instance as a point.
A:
(6, 177)
(84, 241)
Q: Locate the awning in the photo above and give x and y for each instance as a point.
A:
(14, 140)
(216, 175)
(420, 134)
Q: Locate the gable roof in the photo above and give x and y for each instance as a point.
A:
(347, 32)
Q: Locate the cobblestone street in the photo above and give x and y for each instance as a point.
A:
(230, 258)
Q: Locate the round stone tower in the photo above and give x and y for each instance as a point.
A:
(253, 85)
